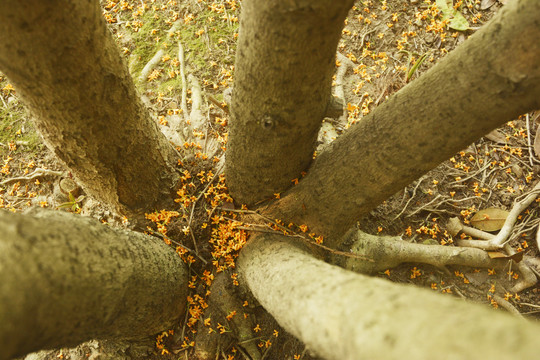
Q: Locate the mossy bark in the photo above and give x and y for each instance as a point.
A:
(65, 65)
(284, 66)
(490, 79)
(66, 279)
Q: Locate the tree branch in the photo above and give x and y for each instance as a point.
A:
(284, 66)
(343, 315)
(422, 125)
(67, 279)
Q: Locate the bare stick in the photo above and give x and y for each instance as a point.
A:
(37, 173)
(183, 104)
(529, 146)
(193, 210)
(412, 197)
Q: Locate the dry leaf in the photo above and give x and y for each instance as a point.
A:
(497, 136)
(490, 219)
(535, 116)
(486, 4)
(517, 257)
(537, 144)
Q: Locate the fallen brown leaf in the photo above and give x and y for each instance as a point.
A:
(490, 219)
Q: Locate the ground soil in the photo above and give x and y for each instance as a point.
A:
(384, 46)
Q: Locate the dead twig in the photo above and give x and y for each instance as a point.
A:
(183, 103)
(215, 101)
(529, 145)
(160, 235)
(412, 197)
(193, 210)
(37, 173)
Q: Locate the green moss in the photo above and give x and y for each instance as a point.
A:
(145, 45)
(204, 39)
(14, 127)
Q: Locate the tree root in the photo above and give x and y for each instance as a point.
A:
(528, 276)
(156, 58)
(497, 242)
(388, 252)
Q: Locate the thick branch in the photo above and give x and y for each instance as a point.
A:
(65, 65)
(284, 65)
(65, 279)
(491, 78)
(342, 315)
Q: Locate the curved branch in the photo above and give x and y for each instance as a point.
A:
(341, 315)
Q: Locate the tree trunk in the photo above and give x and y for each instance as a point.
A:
(65, 65)
(284, 66)
(343, 315)
(66, 279)
(491, 78)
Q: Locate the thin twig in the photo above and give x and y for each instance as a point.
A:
(217, 103)
(286, 232)
(183, 103)
(160, 235)
(412, 197)
(529, 141)
(193, 210)
(364, 37)
(4, 102)
(37, 173)
(424, 206)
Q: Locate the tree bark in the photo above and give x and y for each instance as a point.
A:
(491, 78)
(65, 65)
(342, 315)
(66, 279)
(284, 66)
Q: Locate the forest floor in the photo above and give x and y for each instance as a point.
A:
(181, 55)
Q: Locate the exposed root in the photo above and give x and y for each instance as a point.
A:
(388, 252)
(528, 278)
(145, 72)
(498, 241)
(157, 57)
(505, 304)
(196, 116)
